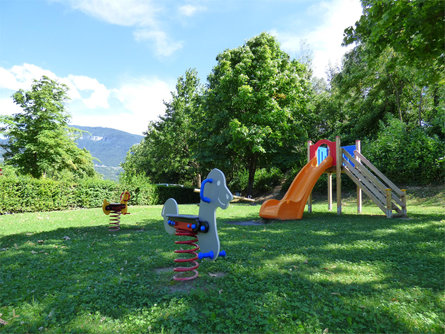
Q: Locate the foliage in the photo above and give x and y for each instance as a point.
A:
(406, 154)
(168, 150)
(182, 195)
(414, 29)
(255, 107)
(27, 194)
(397, 67)
(265, 180)
(63, 272)
(39, 139)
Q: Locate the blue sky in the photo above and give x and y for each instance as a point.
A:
(121, 58)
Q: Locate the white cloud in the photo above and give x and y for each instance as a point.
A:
(190, 10)
(144, 97)
(143, 15)
(130, 107)
(325, 40)
(120, 12)
(79, 84)
(137, 101)
(8, 107)
(87, 90)
(164, 46)
(22, 76)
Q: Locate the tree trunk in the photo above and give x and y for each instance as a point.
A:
(436, 98)
(396, 92)
(252, 169)
(420, 107)
(198, 180)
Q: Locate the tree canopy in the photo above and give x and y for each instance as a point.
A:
(260, 106)
(40, 143)
(168, 149)
(256, 107)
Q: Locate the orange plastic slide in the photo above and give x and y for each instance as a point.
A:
(293, 203)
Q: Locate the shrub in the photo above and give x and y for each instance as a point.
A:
(27, 194)
(265, 180)
(182, 195)
(406, 156)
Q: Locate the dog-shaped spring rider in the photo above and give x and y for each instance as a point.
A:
(116, 210)
(214, 194)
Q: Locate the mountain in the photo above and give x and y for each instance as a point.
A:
(108, 145)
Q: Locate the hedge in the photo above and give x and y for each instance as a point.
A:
(25, 194)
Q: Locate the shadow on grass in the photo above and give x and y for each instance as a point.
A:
(349, 274)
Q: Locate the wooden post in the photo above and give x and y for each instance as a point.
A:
(330, 191)
(388, 203)
(403, 198)
(339, 158)
(359, 190)
(309, 200)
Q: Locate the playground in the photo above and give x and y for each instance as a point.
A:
(66, 272)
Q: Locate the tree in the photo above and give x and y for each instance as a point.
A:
(40, 143)
(256, 108)
(414, 29)
(167, 153)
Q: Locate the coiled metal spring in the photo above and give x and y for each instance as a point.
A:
(188, 252)
(115, 218)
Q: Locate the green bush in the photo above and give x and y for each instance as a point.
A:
(407, 156)
(26, 194)
(182, 195)
(265, 180)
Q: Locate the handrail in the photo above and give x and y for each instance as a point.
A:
(366, 190)
(379, 173)
(366, 173)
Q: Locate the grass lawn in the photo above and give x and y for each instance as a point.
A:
(64, 272)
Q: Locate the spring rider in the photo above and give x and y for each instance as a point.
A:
(214, 193)
(116, 210)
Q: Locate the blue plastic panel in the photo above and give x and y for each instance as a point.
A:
(350, 149)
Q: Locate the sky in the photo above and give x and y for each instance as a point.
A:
(121, 58)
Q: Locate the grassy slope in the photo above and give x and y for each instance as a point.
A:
(353, 273)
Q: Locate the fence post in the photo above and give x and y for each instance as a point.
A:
(388, 203)
(309, 200)
(330, 191)
(359, 190)
(339, 158)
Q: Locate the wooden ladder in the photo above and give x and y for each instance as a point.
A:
(385, 194)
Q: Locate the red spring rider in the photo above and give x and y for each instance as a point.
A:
(116, 210)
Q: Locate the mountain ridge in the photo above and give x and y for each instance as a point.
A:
(109, 146)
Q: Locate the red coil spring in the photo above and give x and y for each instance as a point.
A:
(115, 217)
(191, 260)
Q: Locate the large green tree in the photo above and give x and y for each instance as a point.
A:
(402, 42)
(167, 153)
(39, 140)
(414, 29)
(256, 108)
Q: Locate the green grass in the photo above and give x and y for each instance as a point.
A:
(344, 274)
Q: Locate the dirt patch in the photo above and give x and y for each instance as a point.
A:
(163, 270)
(217, 274)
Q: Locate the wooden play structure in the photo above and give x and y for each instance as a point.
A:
(384, 193)
(330, 157)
